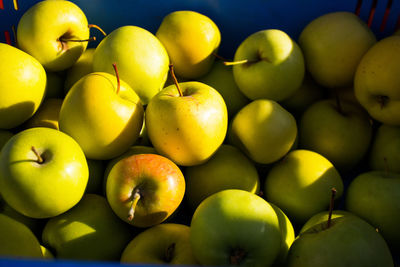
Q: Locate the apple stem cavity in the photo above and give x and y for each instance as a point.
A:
(39, 158)
(333, 194)
(382, 100)
(169, 252)
(135, 200)
(97, 28)
(171, 70)
(117, 75)
(236, 257)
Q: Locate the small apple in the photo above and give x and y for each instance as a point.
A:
(264, 61)
(191, 40)
(377, 81)
(263, 130)
(187, 122)
(81, 67)
(333, 45)
(47, 115)
(228, 168)
(166, 243)
(145, 189)
(88, 231)
(57, 42)
(23, 84)
(235, 227)
(43, 172)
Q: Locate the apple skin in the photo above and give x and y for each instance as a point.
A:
(300, 184)
(46, 253)
(47, 115)
(235, 227)
(81, 67)
(187, 129)
(191, 39)
(141, 59)
(166, 243)
(263, 130)
(94, 106)
(375, 197)
(40, 37)
(377, 81)
(333, 45)
(23, 86)
(276, 56)
(342, 135)
(42, 190)
(384, 154)
(88, 231)
(17, 240)
(349, 241)
(159, 182)
(228, 168)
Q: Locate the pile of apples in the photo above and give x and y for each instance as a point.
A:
(164, 152)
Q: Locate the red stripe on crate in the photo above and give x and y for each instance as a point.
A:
(8, 37)
(372, 13)
(358, 8)
(386, 15)
(1, 4)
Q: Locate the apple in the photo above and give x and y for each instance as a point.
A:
(340, 131)
(191, 40)
(145, 189)
(46, 253)
(17, 240)
(384, 154)
(333, 45)
(264, 61)
(220, 77)
(88, 231)
(322, 218)
(300, 183)
(346, 241)
(263, 130)
(23, 84)
(101, 103)
(43, 172)
(57, 42)
(187, 122)
(54, 84)
(141, 58)
(376, 82)
(47, 115)
(375, 197)
(81, 67)
(166, 243)
(235, 227)
(228, 168)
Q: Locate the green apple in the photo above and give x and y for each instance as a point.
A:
(17, 240)
(267, 59)
(220, 77)
(322, 217)
(375, 197)
(141, 58)
(96, 176)
(300, 184)
(235, 227)
(191, 40)
(228, 168)
(384, 154)
(187, 123)
(47, 115)
(23, 84)
(54, 85)
(88, 231)
(100, 103)
(347, 241)
(333, 45)
(340, 131)
(43, 172)
(54, 32)
(263, 130)
(166, 243)
(81, 67)
(377, 81)
(145, 189)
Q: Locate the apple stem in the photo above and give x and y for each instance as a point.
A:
(333, 191)
(39, 158)
(135, 200)
(77, 40)
(239, 62)
(169, 252)
(117, 75)
(98, 28)
(236, 256)
(171, 70)
(220, 57)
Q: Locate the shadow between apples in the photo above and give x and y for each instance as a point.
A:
(26, 109)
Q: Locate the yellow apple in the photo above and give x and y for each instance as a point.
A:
(47, 114)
